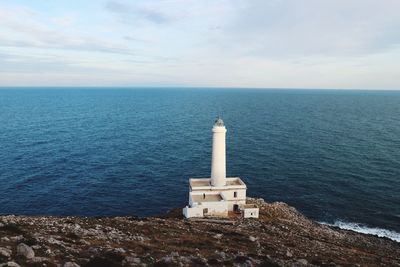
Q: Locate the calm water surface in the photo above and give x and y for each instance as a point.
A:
(334, 155)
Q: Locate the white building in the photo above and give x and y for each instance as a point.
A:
(218, 196)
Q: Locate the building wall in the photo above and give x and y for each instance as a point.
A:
(191, 204)
(200, 194)
(250, 212)
(219, 209)
(192, 212)
(216, 208)
(230, 194)
(235, 202)
(228, 197)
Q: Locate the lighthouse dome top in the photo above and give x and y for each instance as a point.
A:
(219, 122)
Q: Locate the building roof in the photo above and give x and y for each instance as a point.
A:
(205, 183)
(250, 206)
(234, 181)
(200, 182)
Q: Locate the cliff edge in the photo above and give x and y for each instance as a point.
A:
(280, 237)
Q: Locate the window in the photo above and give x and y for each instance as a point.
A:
(234, 194)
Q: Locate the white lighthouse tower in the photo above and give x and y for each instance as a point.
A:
(218, 162)
(218, 196)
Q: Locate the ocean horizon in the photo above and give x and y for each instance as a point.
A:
(332, 154)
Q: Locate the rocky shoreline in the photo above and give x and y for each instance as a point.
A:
(280, 237)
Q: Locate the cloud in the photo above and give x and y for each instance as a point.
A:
(65, 20)
(287, 28)
(257, 43)
(136, 13)
(35, 31)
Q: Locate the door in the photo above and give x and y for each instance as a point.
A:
(205, 211)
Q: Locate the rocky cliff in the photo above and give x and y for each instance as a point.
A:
(280, 237)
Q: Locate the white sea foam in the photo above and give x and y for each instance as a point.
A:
(360, 228)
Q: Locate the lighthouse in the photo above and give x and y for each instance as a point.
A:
(218, 196)
(218, 159)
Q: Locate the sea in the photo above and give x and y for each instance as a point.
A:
(332, 154)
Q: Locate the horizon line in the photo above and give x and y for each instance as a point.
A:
(127, 87)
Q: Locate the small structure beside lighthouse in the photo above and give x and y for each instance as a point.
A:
(218, 196)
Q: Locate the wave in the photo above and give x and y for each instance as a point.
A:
(361, 228)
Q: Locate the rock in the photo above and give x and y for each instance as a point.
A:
(10, 264)
(252, 238)
(169, 260)
(36, 247)
(185, 261)
(221, 254)
(213, 261)
(93, 251)
(25, 251)
(242, 259)
(85, 242)
(119, 250)
(130, 261)
(218, 236)
(16, 238)
(174, 254)
(70, 264)
(5, 252)
(5, 239)
(39, 259)
(54, 241)
(277, 238)
(302, 261)
(139, 238)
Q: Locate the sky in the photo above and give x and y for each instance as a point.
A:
(337, 44)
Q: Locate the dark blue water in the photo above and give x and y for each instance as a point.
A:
(334, 155)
